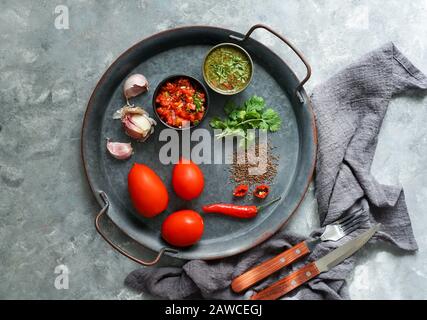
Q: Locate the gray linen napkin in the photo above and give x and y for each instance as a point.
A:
(349, 109)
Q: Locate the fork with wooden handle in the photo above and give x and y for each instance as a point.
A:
(333, 232)
(313, 269)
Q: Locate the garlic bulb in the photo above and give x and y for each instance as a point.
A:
(119, 150)
(134, 86)
(137, 122)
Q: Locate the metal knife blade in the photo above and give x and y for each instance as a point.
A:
(346, 250)
(313, 269)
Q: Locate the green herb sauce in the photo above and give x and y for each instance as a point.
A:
(228, 69)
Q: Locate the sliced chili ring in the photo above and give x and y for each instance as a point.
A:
(261, 191)
(240, 190)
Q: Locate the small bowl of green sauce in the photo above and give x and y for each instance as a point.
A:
(227, 68)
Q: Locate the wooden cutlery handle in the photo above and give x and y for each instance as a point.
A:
(252, 276)
(287, 284)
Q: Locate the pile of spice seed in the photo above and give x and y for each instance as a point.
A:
(243, 169)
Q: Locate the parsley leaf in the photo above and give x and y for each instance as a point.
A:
(272, 119)
(252, 114)
(217, 123)
(255, 103)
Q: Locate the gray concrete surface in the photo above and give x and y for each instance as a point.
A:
(47, 75)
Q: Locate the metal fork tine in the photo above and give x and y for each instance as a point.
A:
(353, 227)
(355, 222)
(353, 218)
(343, 219)
(350, 220)
(348, 216)
(344, 226)
(357, 211)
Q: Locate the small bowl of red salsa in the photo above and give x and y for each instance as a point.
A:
(180, 102)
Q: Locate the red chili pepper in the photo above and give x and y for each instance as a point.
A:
(240, 190)
(261, 191)
(237, 211)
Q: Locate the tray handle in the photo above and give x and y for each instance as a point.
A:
(118, 248)
(290, 45)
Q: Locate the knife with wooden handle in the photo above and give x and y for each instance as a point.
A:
(265, 269)
(332, 232)
(313, 269)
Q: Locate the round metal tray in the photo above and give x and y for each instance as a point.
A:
(181, 51)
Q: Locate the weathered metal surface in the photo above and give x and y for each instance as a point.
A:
(181, 51)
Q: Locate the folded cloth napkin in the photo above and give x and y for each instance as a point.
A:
(349, 109)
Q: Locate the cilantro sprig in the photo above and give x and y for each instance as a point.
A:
(197, 102)
(252, 114)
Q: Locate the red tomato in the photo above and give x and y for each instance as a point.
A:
(183, 228)
(147, 191)
(187, 179)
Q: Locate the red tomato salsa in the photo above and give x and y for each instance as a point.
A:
(179, 103)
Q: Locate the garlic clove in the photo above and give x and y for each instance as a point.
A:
(119, 150)
(142, 122)
(137, 123)
(135, 85)
(132, 129)
(128, 109)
